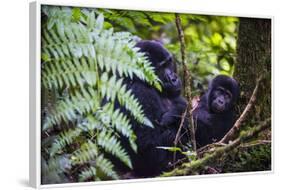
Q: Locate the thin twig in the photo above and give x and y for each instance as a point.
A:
(234, 130)
(180, 128)
(187, 86)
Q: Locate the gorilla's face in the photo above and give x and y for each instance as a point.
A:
(165, 68)
(171, 83)
(220, 100)
(222, 94)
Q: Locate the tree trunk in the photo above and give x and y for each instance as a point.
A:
(254, 60)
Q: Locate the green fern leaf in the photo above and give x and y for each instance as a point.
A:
(113, 146)
(87, 152)
(69, 108)
(106, 167)
(65, 138)
(87, 173)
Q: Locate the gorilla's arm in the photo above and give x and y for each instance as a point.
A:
(151, 101)
(173, 115)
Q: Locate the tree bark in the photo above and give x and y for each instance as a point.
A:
(254, 60)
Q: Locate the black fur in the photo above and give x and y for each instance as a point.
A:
(164, 110)
(214, 115)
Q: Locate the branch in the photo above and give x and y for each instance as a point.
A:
(195, 166)
(257, 143)
(234, 130)
(187, 86)
(181, 125)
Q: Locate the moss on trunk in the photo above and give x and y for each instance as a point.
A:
(253, 60)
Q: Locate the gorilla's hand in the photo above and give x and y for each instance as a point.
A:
(167, 119)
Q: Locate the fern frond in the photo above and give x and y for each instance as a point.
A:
(148, 72)
(87, 173)
(66, 72)
(68, 109)
(54, 173)
(112, 53)
(111, 145)
(70, 54)
(57, 14)
(112, 88)
(90, 123)
(56, 164)
(123, 57)
(122, 123)
(109, 116)
(65, 138)
(87, 152)
(106, 167)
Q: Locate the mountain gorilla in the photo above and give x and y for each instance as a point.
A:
(170, 104)
(164, 109)
(214, 115)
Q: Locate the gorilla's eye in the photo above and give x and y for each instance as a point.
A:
(227, 94)
(217, 92)
(220, 89)
(222, 92)
(166, 62)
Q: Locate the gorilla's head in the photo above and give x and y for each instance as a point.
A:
(223, 93)
(165, 68)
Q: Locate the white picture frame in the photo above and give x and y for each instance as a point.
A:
(35, 87)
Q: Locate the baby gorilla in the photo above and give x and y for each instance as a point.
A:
(214, 115)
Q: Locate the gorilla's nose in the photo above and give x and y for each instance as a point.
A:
(220, 101)
(174, 79)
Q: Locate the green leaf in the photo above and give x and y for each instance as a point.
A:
(147, 122)
(51, 23)
(99, 22)
(216, 39)
(171, 149)
(45, 57)
(76, 14)
(87, 173)
(91, 20)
